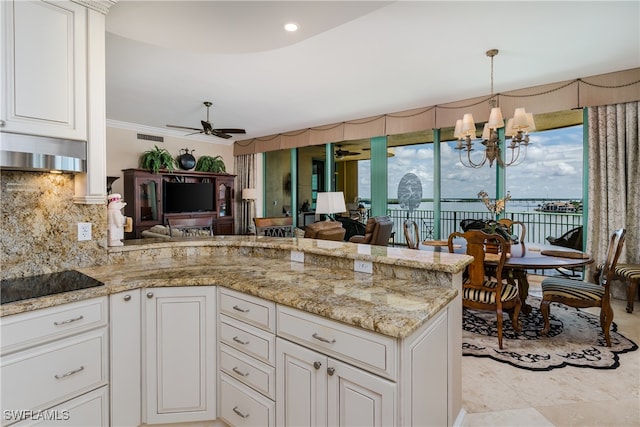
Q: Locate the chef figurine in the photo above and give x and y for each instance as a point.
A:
(115, 219)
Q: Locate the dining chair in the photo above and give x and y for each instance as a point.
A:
(482, 292)
(580, 294)
(512, 225)
(412, 234)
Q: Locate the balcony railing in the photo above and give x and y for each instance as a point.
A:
(539, 224)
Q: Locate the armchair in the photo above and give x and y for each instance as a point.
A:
(377, 232)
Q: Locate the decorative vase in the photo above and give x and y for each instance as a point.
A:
(186, 160)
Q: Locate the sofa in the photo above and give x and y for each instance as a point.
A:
(163, 232)
(325, 230)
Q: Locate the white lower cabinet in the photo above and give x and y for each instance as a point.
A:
(247, 360)
(125, 356)
(179, 354)
(242, 406)
(90, 409)
(58, 366)
(315, 390)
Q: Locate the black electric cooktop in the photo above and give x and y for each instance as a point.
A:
(18, 289)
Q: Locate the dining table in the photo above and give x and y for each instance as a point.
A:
(521, 258)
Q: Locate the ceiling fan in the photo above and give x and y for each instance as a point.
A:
(208, 129)
(340, 153)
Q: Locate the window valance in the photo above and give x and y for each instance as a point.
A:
(603, 89)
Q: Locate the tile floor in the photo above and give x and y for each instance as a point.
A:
(497, 394)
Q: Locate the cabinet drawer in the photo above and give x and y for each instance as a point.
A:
(28, 329)
(241, 406)
(49, 374)
(249, 309)
(257, 375)
(247, 339)
(373, 352)
(90, 409)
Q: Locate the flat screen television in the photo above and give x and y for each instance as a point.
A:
(188, 197)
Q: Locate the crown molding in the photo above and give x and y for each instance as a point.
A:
(101, 6)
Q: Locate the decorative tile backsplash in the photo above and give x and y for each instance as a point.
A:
(39, 228)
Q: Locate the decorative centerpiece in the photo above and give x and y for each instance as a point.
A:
(492, 226)
(496, 207)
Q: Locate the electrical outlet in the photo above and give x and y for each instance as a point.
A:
(363, 266)
(297, 256)
(84, 231)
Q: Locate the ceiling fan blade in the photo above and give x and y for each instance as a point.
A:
(183, 127)
(216, 132)
(194, 133)
(231, 130)
(206, 126)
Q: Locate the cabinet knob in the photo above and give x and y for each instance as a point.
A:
(317, 365)
(331, 371)
(127, 297)
(2, 123)
(149, 295)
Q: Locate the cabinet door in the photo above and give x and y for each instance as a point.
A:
(90, 409)
(125, 324)
(143, 194)
(180, 356)
(359, 398)
(224, 227)
(44, 68)
(301, 386)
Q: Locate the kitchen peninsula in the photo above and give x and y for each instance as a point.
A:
(281, 330)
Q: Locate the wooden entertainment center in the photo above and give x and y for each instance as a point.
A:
(144, 194)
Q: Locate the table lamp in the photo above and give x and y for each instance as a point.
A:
(331, 202)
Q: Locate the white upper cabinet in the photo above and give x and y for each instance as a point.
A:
(44, 69)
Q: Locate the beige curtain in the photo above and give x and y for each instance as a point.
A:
(614, 180)
(245, 167)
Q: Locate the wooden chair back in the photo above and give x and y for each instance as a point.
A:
(514, 226)
(412, 234)
(608, 272)
(476, 243)
(280, 226)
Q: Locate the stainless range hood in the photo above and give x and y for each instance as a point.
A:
(38, 153)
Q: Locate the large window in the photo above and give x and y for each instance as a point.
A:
(551, 172)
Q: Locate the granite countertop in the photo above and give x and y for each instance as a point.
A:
(390, 306)
(419, 259)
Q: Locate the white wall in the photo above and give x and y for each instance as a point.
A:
(124, 150)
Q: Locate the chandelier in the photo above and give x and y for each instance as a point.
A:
(517, 130)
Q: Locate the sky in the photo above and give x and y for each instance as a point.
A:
(552, 169)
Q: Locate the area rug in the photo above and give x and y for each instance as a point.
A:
(575, 339)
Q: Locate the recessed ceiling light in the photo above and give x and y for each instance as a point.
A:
(291, 26)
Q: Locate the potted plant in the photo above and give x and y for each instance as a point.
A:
(211, 164)
(157, 158)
